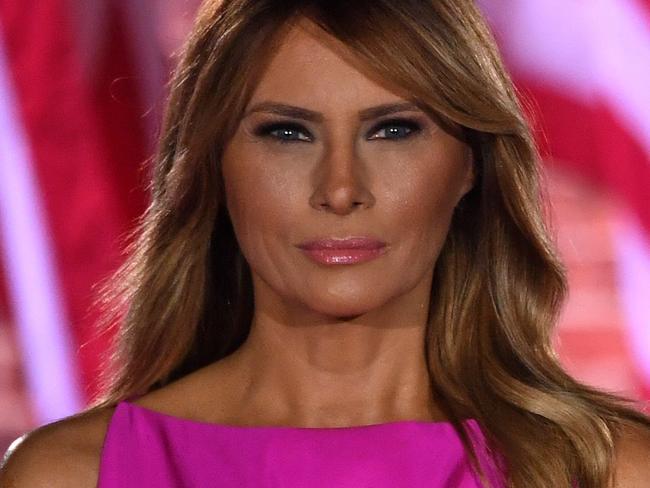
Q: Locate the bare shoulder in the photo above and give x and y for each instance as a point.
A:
(632, 468)
(63, 453)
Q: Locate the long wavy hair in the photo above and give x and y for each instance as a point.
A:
(184, 298)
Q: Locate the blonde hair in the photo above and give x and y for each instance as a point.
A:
(184, 298)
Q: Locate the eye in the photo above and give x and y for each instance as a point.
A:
(283, 132)
(395, 129)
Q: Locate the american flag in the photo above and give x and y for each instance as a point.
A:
(76, 82)
(584, 68)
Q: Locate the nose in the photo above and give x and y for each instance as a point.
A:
(341, 182)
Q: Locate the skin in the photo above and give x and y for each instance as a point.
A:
(338, 345)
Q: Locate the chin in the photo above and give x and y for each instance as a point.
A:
(344, 307)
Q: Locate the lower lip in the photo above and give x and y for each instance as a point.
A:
(343, 256)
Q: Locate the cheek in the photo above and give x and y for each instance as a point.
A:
(260, 201)
(423, 196)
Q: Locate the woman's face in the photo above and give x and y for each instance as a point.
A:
(326, 153)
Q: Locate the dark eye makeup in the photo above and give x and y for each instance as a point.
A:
(395, 129)
(283, 131)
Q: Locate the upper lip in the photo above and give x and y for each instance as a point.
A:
(342, 243)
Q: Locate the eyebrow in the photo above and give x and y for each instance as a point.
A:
(312, 116)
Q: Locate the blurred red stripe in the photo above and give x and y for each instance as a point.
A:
(590, 141)
(87, 142)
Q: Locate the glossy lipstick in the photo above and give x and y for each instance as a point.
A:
(343, 251)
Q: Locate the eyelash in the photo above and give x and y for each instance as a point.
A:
(265, 130)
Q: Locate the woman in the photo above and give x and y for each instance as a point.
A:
(345, 256)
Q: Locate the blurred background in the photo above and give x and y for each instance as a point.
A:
(82, 86)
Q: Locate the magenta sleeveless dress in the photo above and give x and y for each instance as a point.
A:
(144, 448)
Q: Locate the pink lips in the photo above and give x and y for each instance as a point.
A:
(343, 251)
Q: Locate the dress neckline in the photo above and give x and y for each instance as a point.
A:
(440, 424)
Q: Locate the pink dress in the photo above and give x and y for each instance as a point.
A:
(144, 448)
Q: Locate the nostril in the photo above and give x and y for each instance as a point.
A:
(341, 198)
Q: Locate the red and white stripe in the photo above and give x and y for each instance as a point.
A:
(32, 281)
(78, 106)
(587, 67)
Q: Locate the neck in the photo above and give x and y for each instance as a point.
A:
(302, 368)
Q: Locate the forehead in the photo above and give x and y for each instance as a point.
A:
(313, 69)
